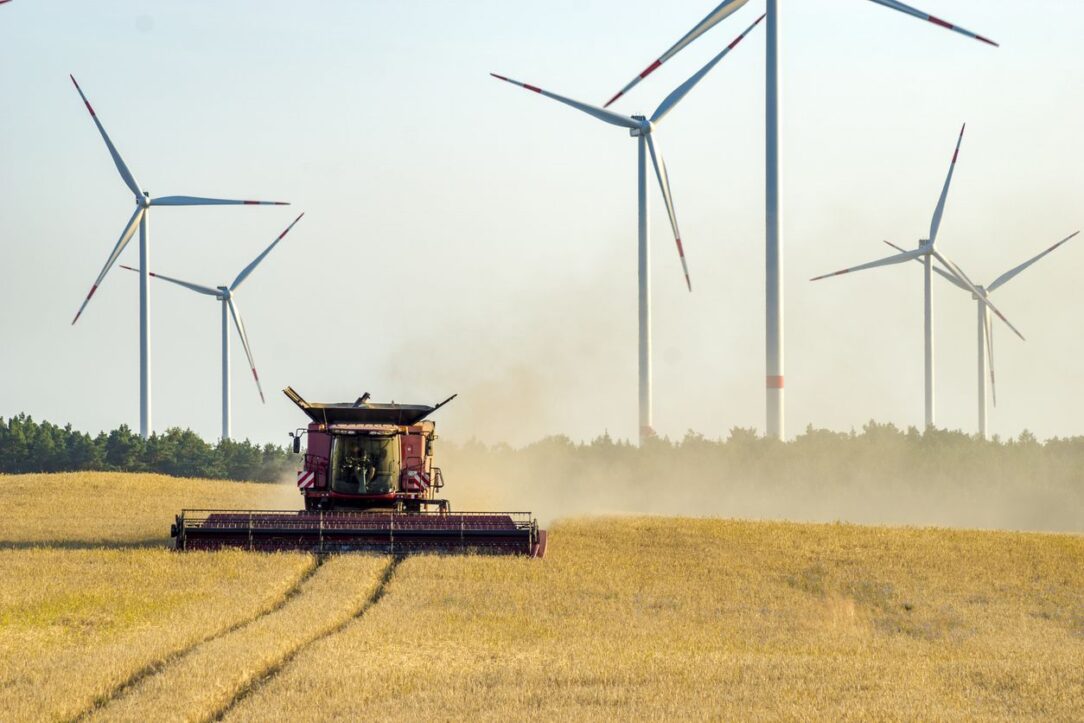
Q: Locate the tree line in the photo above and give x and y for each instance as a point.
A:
(27, 446)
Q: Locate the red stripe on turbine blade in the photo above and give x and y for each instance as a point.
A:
(939, 21)
(500, 77)
(531, 87)
(739, 38)
(611, 100)
(775, 382)
(987, 41)
(85, 101)
(255, 375)
(650, 69)
(92, 290)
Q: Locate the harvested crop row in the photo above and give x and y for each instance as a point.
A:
(76, 625)
(657, 618)
(205, 681)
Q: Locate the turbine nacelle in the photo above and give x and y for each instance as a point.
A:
(646, 127)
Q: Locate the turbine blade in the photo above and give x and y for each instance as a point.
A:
(197, 201)
(607, 116)
(935, 224)
(248, 269)
(1013, 272)
(682, 90)
(721, 12)
(244, 342)
(664, 186)
(990, 355)
(125, 236)
(122, 168)
(936, 269)
(915, 13)
(887, 261)
(978, 294)
(186, 284)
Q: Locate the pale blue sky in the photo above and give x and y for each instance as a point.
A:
(465, 236)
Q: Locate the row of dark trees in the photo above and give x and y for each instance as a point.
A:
(878, 451)
(29, 446)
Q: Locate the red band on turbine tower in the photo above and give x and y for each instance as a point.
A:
(775, 382)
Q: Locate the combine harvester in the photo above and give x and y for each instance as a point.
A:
(369, 485)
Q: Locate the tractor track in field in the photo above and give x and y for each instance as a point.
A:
(165, 661)
(274, 669)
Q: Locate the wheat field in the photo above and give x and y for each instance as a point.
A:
(79, 509)
(627, 617)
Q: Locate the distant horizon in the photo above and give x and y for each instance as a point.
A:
(724, 437)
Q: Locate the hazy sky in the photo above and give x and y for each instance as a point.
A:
(462, 235)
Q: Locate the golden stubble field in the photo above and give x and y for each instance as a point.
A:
(656, 618)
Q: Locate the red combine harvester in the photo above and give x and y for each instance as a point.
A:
(369, 485)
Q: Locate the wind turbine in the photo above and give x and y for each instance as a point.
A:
(985, 330)
(227, 295)
(773, 202)
(144, 201)
(927, 251)
(643, 129)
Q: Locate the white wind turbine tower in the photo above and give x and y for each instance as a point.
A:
(227, 295)
(927, 251)
(144, 201)
(773, 203)
(643, 129)
(985, 330)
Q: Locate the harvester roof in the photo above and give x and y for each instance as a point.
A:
(363, 411)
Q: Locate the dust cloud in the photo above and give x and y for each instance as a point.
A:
(888, 478)
(558, 366)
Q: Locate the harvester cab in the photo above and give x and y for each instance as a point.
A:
(369, 485)
(368, 456)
